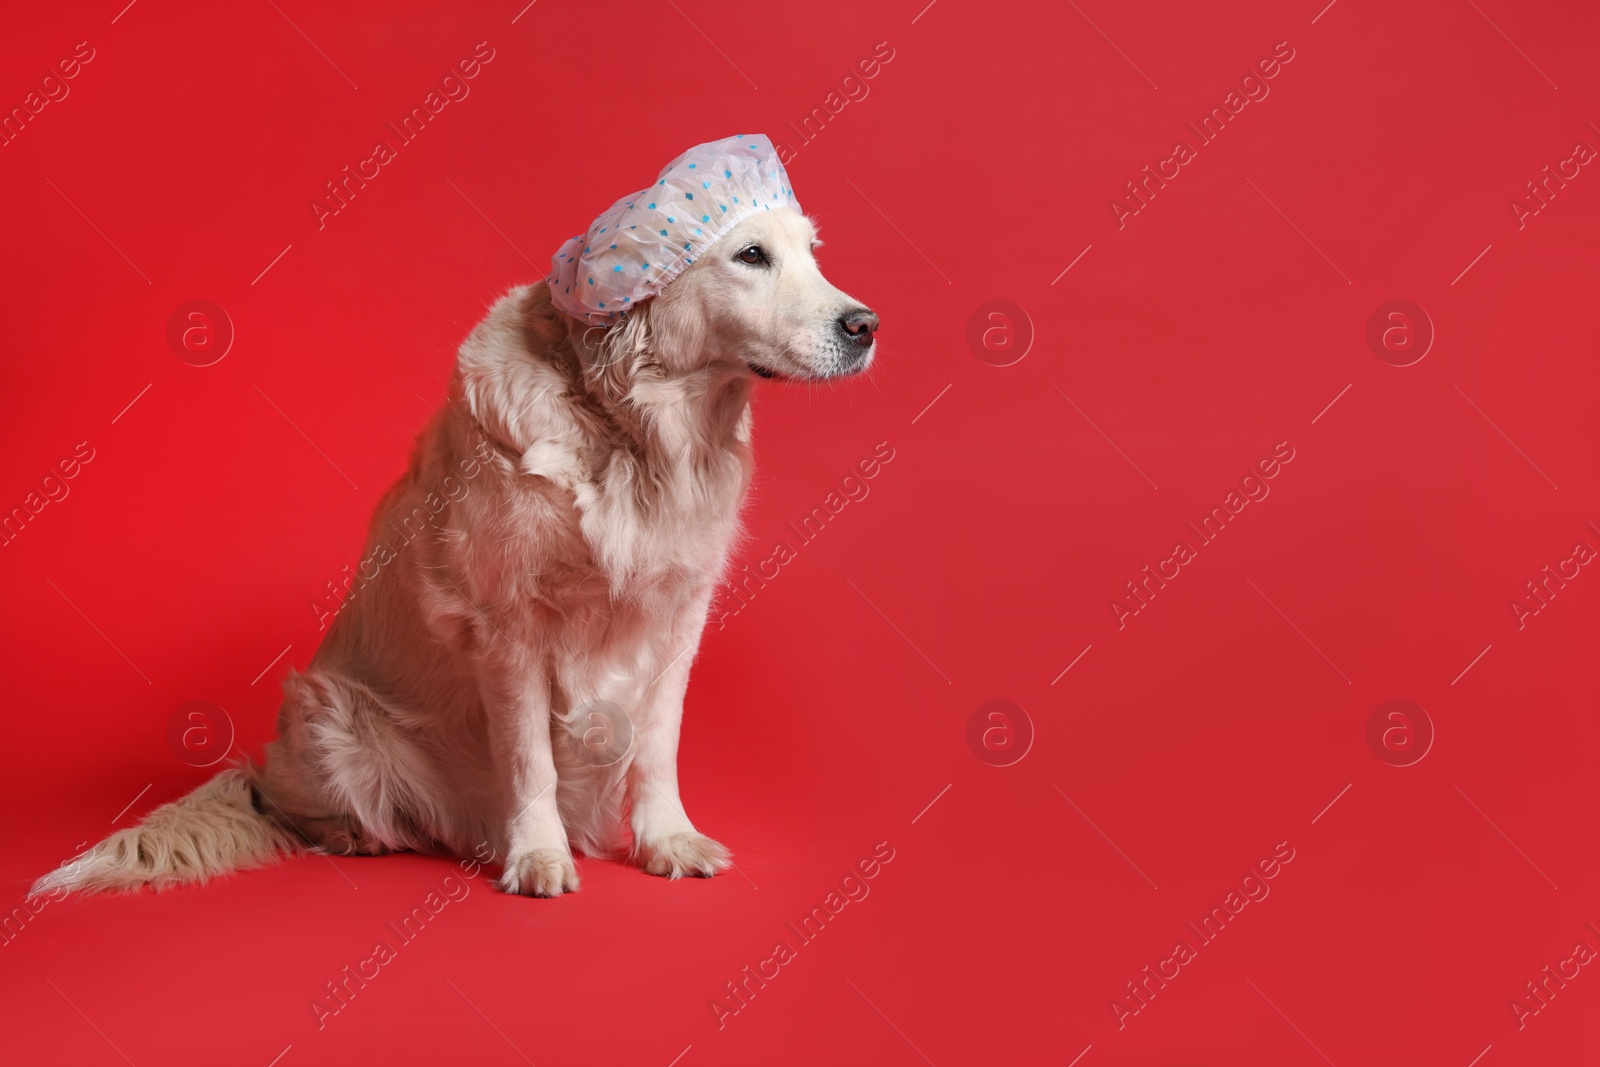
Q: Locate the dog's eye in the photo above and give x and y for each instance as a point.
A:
(754, 255)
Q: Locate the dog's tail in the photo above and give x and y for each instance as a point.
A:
(213, 830)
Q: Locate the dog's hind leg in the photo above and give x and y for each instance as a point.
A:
(336, 835)
(341, 774)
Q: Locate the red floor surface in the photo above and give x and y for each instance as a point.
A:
(1410, 496)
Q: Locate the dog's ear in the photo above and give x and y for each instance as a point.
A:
(613, 355)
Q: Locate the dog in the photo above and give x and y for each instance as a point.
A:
(513, 675)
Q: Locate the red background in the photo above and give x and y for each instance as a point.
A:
(1223, 719)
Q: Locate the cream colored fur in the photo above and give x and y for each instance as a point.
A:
(591, 481)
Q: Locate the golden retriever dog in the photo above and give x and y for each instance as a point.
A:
(513, 675)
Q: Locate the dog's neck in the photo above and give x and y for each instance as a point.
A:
(670, 419)
(678, 452)
(657, 461)
(685, 416)
(580, 398)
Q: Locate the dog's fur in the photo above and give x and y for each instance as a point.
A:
(577, 498)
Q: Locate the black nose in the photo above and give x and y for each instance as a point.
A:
(858, 326)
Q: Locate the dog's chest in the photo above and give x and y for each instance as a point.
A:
(627, 532)
(665, 524)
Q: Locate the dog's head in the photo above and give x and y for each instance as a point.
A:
(756, 303)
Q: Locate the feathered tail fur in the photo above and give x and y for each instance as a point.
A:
(211, 831)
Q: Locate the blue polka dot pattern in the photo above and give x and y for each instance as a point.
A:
(666, 232)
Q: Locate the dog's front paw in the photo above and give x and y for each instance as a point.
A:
(682, 854)
(544, 872)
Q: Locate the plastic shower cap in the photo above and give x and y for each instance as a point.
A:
(647, 239)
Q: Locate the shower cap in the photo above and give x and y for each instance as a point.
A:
(646, 240)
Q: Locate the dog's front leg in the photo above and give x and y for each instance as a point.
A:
(665, 841)
(516, 696)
